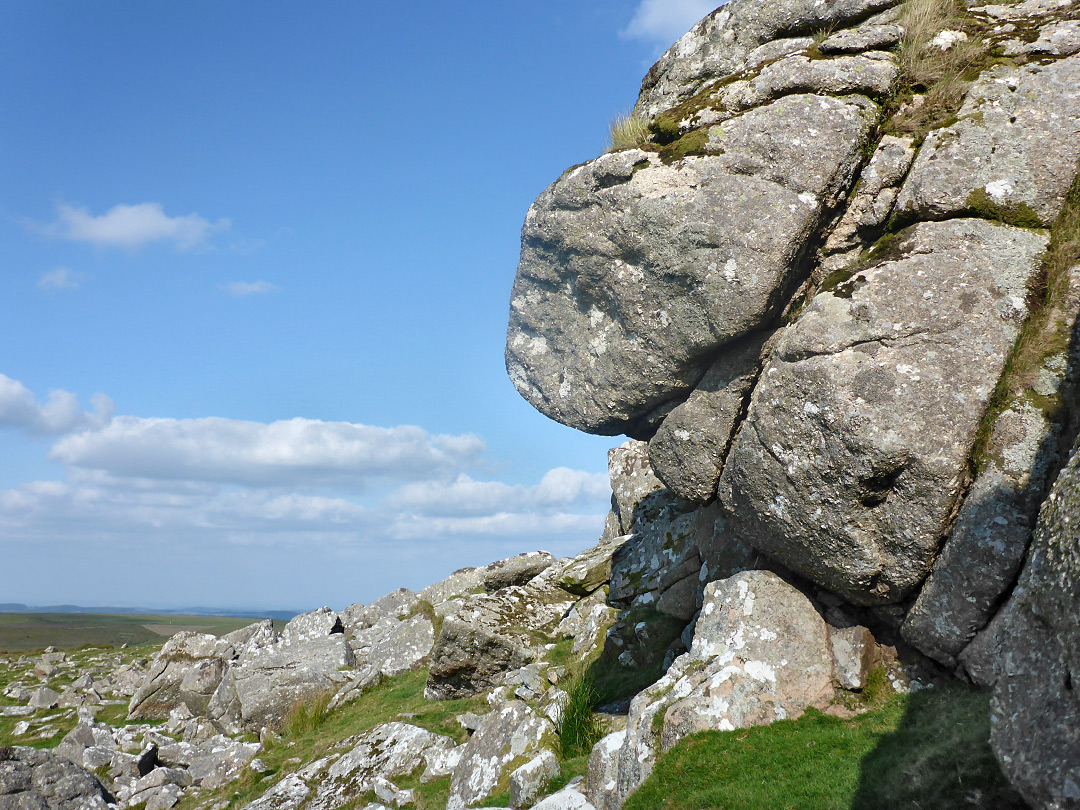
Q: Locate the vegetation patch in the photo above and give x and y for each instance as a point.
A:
(627, 131)
(1044, 334)
(1021, 215)
(925, 751)
(578, 728)
(939, 78)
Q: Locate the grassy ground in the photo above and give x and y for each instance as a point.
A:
(925, 751)
(21, 632)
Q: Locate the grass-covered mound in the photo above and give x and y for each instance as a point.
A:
(925, 751)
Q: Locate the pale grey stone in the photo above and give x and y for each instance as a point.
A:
(527, 781)
(506, 734)
(160, 691)
(689, 447)
(853, 655)
(857, 438)
(633, 272)
(590, 570)
(44, 698)
(569, 798)
(460, 583)
(603, 775)
(491, 634)
(863, 38)
(872, 74)
(1016, 143)
(632, 478)
(516, 570)
(760, 653)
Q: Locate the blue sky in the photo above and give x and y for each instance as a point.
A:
(257, 262)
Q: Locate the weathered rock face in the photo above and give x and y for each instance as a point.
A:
(634, 271)
(726, 40)
(516, 570)
(507, 738)
(491, 634)
(858, 435)
(1036, 708)
(182, 654)
(272, 673)
(33, 779)
(690, 445)
(761, 652)
(1013, 151)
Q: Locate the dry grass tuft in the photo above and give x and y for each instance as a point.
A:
(628, 130)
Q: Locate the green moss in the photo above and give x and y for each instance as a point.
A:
(694, 142)
(1019, 214)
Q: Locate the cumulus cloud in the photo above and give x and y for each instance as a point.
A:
(132, 226)
(61, 412)
(62, 278)
(661, 22)
(242, 289)
(291, 452)
(559, 488)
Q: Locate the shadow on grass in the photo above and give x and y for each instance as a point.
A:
(938, 756)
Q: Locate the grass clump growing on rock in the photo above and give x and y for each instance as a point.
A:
(627, 130)
(578, 728)
(933, 80)
(1045, 333)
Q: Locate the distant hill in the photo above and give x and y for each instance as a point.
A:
(18, 607)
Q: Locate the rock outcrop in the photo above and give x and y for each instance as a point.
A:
(836, 290)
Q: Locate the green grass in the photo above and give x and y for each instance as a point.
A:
(925, 751)
(305, 717)
(579, 729)
(24, 632)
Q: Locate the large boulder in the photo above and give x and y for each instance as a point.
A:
(857, 440)
(273, 673)
(507, 738)
(516, 570)
(760, 653)
(1035, 713)
(493, 633)
(32, 779)
(634, 270)
(182, 654)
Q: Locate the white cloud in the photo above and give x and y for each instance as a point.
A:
(664, 21)
(242, 289)
(62, 278)
(132, 226)
(61, 412)
(291, 504)
(559, 488)
(293, 452)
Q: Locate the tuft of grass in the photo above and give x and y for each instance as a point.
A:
(627, 130)
(942, 77)
(925, 751)
(578, 728)
(305, 716)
